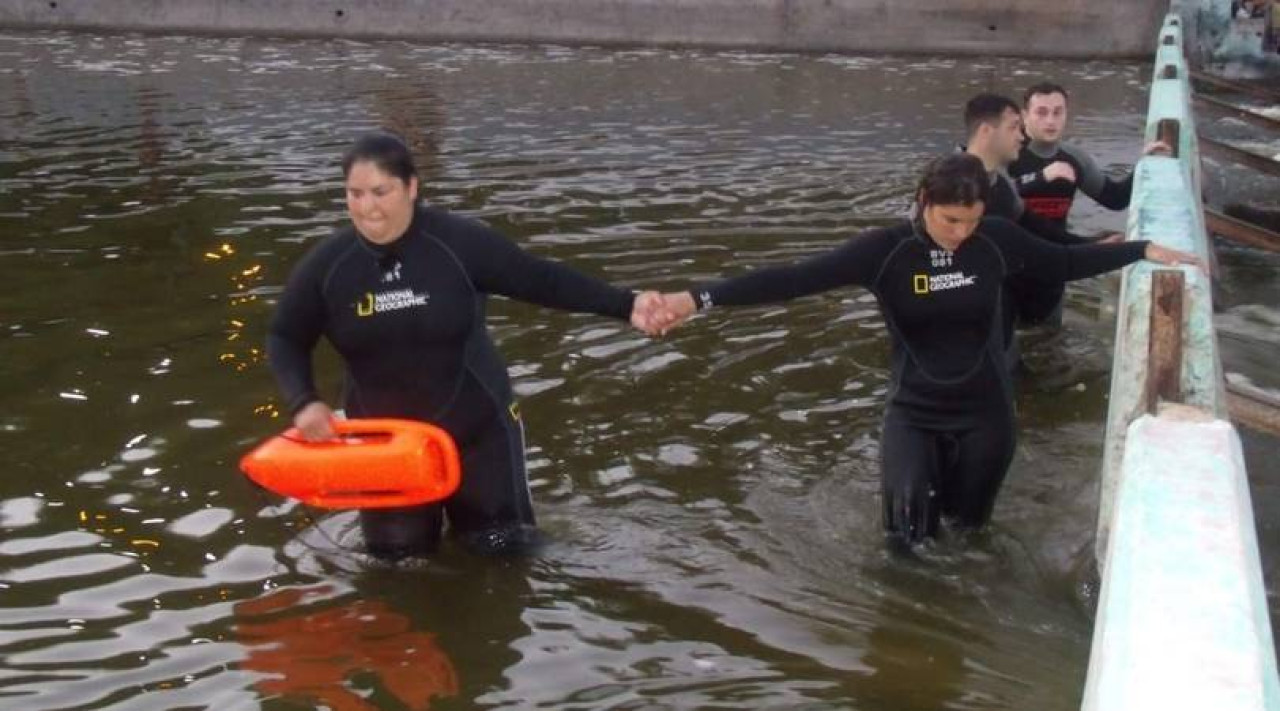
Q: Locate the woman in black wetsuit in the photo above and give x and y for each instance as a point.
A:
(400, 293)
(948, 435)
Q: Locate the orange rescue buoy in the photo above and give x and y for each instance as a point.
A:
(373, 463)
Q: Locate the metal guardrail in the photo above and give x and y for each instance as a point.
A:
(1182, 619)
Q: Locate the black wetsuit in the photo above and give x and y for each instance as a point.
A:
(1052, 200)
(408, 320)
(1034, 300)
(948, 434)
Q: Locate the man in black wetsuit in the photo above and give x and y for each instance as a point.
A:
(994, 127)
(401, 295)
(1047, 174)
(1049, 171)
(948, 435)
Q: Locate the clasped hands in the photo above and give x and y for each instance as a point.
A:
(656, 313)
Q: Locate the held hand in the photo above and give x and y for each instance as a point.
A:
(315, 421)
(1109, 238)
(645, 312)
(1172, 257)
(1157, 148)
(1059, 170)
(677, 308)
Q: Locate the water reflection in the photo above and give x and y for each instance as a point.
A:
(344, 655)
(413, 110)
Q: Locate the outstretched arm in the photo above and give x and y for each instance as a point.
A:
(1052, 262)
(1114, 194)
(1111, 194)
(498, 266)
(857, 261)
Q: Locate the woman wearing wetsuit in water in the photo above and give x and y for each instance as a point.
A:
(401, 293)
(948, 434)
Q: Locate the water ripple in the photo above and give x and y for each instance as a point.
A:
(710, 497)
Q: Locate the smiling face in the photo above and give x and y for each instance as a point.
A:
(951, 225)
(1046, 117)
(380, 204)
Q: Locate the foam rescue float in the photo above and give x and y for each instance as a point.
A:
(372, 463)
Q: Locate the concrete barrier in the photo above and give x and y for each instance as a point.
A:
(1069, 28)
(1182, 620)
(1165, 208)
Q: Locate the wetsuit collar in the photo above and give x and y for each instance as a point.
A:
(1043, 149)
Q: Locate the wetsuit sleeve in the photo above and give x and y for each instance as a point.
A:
(1028, 254)
(1111, 194)
(857, 261)
(1047, 230)
(1115, 194)
(498, 266)
(295, 328)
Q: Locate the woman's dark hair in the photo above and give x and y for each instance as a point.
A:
(384, 149)
(954, 179)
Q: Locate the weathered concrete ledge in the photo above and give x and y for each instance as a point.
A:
(1166, 209)
(1182, 618)
(1068, 28)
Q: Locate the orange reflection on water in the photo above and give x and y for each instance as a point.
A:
(313, 656)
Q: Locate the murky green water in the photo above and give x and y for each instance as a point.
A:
(711, 498)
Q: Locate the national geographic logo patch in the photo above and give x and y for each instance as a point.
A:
(393, 300)
(925, 284)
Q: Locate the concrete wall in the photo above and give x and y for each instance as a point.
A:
(1065, 28)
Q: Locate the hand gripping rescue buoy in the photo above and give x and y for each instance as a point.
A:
(372, 463)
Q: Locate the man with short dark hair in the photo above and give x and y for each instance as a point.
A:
(1047, 173)
(994, 126)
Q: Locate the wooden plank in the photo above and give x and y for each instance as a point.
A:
(1169, 132)
(1255, 414)
(1164, 360)
(1260, 92)
(1256, 161)
(1252, 117)
(1241, 231)
(1255, 394)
